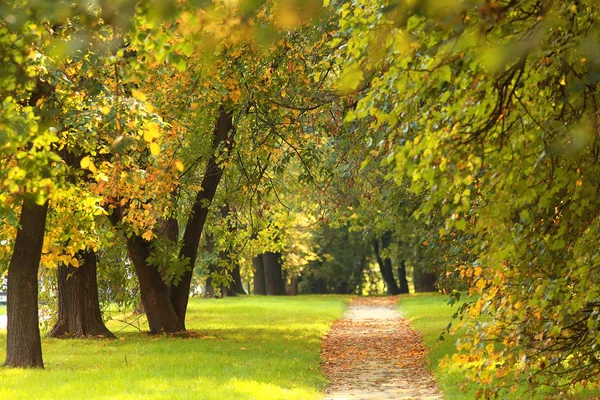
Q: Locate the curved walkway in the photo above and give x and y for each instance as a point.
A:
(372, 353)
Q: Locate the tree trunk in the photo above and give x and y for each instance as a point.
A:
(259, 274)
(274, 283)
(293, 288)
(78, 307)
(209, 290)
(23, 343)
(387, 273)
(427, 282)
(154, 291)
(223, 134)
(402, 277)
(237, 285)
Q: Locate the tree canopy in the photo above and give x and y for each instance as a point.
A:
(460, 137)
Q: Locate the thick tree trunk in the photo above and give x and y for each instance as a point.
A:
(154, 291)
(237, 285)
(223, 135)
(259, 275)
(402, 277)
(78, 307)
(387, 272)
(274, 283)
(23, 343)
(427, 282)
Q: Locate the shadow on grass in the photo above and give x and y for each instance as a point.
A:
(248, 348)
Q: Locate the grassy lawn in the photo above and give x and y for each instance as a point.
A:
(2, 310)
(430, 314)
(247, 348)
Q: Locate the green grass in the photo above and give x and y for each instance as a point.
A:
(248, 348)
(2, 310)
(430, 314)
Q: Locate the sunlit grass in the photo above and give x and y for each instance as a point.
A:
(2, 310)
(430, 314)
(247, 348)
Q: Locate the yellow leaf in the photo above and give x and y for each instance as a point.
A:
(154, 149)
(138, 95)
(351, 78)
(85, 162)
(151, 132)
(105, 110)
(283, 93)
(179, 165)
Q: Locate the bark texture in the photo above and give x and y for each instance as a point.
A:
(23, 343)
(237, 284)
(153, 289)
(274, 282)
(259, 275)
(425, 282)
(78, 307)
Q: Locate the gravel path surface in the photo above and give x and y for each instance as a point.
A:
(373, 353)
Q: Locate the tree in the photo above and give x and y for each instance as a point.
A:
(385, 265)
(23, 345)
(488, 110)
(78, 307)
(57, 91)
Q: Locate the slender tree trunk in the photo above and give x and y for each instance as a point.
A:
(387, 273)
(209, 290)
(223, 134)
(235, 286)
(402, 277)
(259, 274)
(23, 343)
(294, 286)
(78, 307)
(274, 282)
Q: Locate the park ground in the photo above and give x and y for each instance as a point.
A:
(238, 348)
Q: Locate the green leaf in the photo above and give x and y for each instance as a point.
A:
(446, 73)
(351, 78)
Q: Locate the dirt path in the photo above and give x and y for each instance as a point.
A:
(372, 353)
